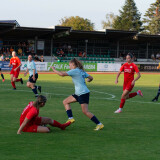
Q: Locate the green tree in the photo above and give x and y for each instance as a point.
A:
(110, 18)
(77, 23)
(129, 18)
(151, 19)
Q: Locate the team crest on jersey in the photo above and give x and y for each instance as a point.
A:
(131, 66)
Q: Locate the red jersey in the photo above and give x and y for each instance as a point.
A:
(30, 112)
(15, 62)
(129, 70)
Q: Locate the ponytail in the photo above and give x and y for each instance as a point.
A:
(77, 63)
(40, 99)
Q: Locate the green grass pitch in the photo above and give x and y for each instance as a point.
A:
(131, 135)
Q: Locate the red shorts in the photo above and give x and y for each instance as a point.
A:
(15, 73)
(33, 125)
(128, 86)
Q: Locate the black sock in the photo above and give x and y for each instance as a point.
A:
(95, 120)
(158, 93)
(2, 76)
(69, 113)
(35, 90)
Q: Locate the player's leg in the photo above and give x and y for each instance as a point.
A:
(38, 87)
(16, 79)
(54, 123)
(34, 89)
(157, 96)
(2, 76)
(41, 129)
(12, 82)
(67, 106)
(91, 116)
(124, 96)
(131, 95)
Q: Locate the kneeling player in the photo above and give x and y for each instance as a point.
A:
(31, 68)
(30, 122)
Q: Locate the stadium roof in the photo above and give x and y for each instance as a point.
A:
(11, 29)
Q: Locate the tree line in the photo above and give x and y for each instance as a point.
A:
(129, 19)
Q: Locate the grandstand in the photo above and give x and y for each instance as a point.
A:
(99, 46)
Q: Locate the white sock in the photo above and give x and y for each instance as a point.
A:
(120, 109)
(70, 118)
(137, 93)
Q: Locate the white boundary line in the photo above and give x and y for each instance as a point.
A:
(112, 98)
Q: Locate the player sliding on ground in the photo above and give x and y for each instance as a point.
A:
(81, 91)
(16, 63)
(129, 69)
(30, 122)
(31, 68)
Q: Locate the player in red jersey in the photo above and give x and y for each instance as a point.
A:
(16, 63)
(30, 122)
(129, 69)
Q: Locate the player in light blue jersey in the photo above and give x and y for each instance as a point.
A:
(81, 91)
(33, 76)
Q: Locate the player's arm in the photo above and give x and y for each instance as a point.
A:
(18, 66)
(26, 72)
(138, 77)
(118, 74)
(59, 72)
(89, 78)
(26, 120)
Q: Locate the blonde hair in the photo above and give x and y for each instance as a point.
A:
(77, 63)
(40, 99)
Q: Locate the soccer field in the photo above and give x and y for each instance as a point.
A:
(131, 135)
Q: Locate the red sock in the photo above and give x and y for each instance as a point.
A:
(13, 84)
(18, 80)
(122, 103)
(56, 124)
(131, 95)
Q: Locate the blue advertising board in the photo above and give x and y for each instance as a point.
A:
(4, 66)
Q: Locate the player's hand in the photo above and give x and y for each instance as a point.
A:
(53, 68)
(133, 83)
(15, 69)
(116, 82)
(18, 132)
(89, 80)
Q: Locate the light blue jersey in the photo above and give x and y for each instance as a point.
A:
(31, 65)
(78, 78)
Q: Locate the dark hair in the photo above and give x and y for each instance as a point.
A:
(77, 63)
(40, 99)
(130, 54)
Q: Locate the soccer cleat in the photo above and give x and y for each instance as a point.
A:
(39, 88)
(63, 127)
(140, 93)
(3, 80)
(99, 127)
(72, 120)
(14, 88)
(21, 81)
(155, 99)
(118, 111)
